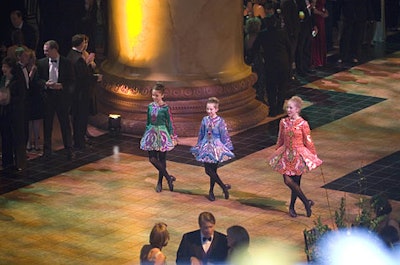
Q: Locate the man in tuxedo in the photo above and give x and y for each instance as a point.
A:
(203, 246)
(57, 77)
(84, 77)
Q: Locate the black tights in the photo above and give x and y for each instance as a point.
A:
(293, 182)
(211, 170)
(159, 160)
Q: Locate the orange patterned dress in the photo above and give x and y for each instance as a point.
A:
(295, 152)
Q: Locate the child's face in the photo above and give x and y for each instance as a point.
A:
(211, 110)
(292, 109)
(157, 96)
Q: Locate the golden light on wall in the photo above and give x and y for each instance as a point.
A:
(134, 35)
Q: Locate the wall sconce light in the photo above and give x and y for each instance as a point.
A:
(114, 123)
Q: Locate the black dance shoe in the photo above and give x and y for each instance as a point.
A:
(171, 180)
(292, 213)
(211, 196)
(159, 187)
(226, 191)
(308, 207)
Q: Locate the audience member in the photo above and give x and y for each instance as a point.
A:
(30, 34)
(21, 72)
(374, 7)
(151, 254)
(383, 210)
(203, 246)
(84, 78)
(318, 54)
(258, 8)
(17, 40)
(254, 59)
(291, 24)
(13, 130)
(276, 50)
(238, 243)
(303, 49)
(35, 103)
(56, 74)
(354, 16)
(89, 23)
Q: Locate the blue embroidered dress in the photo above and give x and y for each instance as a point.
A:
(213, 144)
(159, 133)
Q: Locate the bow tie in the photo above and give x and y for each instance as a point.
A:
(206, 238)
(53, 61)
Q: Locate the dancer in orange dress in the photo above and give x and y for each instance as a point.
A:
(295, 153)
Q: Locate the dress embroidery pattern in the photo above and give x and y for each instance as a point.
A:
(214, 144)
(159, 133)
(295, 152)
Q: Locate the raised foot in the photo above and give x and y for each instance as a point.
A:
(226, 191)
(171, 180)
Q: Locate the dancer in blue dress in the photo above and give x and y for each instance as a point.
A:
(159, 136)
(213, 146)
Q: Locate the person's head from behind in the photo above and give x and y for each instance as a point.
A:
(22, 55)
(16, 18)
(157, 92)
(79, 41)
(50, 49)
(381, 205)
(159, 235)
(31, 57)
(212, 107)
(269, 8)
(253, 25)
(207, 224)
(294, 106)
(237, 237)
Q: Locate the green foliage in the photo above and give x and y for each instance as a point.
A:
(312, 236)
(340, 214)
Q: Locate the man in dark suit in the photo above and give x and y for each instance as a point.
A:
(57, 76)
(276, 50)
(303, 49)
(204, 245)
(290, 16)
(84, 77)
(30, 33)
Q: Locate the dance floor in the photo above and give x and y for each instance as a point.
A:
(99, 208)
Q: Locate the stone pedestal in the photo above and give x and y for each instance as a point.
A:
(195, 48)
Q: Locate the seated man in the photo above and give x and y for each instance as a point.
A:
(204, 245)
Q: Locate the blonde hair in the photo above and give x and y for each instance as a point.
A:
(297, 101)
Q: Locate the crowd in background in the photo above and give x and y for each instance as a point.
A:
(48, 68)
(290, 39)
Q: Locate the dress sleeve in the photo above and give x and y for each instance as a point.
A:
(225, 139)
(279, 142)
(202, 131)
(148, 115)
(308, 143)
(170, 124)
